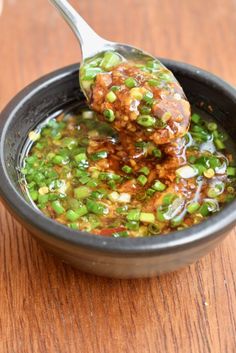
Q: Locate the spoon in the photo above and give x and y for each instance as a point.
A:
(93, 46)
(91, 43)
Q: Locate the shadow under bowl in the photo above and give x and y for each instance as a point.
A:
(112, 257)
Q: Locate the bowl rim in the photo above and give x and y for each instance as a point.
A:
(142, 246)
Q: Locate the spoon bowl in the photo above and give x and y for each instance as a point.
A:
(169, 109)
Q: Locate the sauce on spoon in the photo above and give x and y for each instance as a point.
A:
(141, 97)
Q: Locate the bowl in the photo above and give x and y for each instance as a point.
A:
(112, 257)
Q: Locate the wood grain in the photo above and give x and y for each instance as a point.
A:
(46, 306)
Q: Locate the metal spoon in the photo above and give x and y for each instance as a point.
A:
(172, 101)
(91, 43)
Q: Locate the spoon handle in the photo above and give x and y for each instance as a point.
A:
(90, 41)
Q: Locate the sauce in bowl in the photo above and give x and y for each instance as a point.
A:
(90, 176)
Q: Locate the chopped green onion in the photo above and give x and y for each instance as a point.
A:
(90, 73)
(154, 229)
(84, 179)
(200, 168)
(34, 195)
(109, 115)
(164, 77)
(229, 198)
(95, 62)
(213, 192)
(148, 97)
(144, 110)
(69, 142)
(98, 194)
(160, 124)
(212, 126)
(31, 160)
(144, 170)
(200, 137)
(160, 215)
(82, 192)
(127, 169)
(153, 64)
(110, 60)
(94, 222)
(214, 162)
(168, 199)
(132, 225)
(203, 210)
(142, 179)
(71, 215)
(193, 207)
(111, 97)
(115, 88)
(98, 155)
(57, 207)
(199, 129)
(58, 159)
(92, 183)
(81, 211)
(231, 171)
(96, 207)
(122, 209)
(219, 144)
(73, 226)
(73, 203)
(176, 221)
(147, 217)
(196, 118)
(80, 157)
(133, 215)
(146, 120)
(24, 171)
(111, 184)
(153, 83)
(136, 93)
(43, 198)
(110, 176)
(192, 159)
(156, 152)
(81, 173)
(130, 82)
(150, 192)
(159, 186)
(212, 204)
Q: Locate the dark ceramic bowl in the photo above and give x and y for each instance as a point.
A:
(113, 257)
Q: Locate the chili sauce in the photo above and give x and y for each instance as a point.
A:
(142, 97)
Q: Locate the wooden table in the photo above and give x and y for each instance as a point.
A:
(46, 306)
